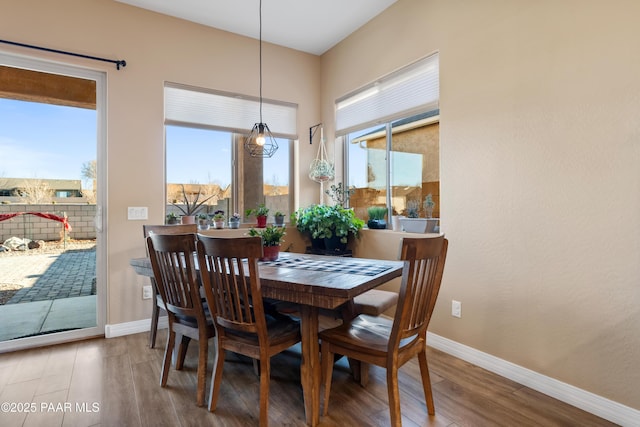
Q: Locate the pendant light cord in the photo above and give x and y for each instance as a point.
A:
(260, 35)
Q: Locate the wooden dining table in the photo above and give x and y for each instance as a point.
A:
(313, 282)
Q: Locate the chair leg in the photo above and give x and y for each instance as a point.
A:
(218, 364)
(168, 354)
(327, 373)
(265, 377)
(394, 396)
(182, 351)
(426, 382)
(203, 353)
(155, 314)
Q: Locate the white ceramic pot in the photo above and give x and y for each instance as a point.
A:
(419, 225)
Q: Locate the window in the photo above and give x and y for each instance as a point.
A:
(391, 129)
(395, 177)
(205, 133)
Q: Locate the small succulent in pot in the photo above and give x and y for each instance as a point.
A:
(203, 222)
(279, 218)
(234, 220)
(172, 218)
(429, 204)
(413, 209)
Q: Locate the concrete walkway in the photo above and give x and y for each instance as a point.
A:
(40, 317)
(58, 293)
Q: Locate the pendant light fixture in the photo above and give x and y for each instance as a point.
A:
(260, 142)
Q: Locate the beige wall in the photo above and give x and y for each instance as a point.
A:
(539, 175)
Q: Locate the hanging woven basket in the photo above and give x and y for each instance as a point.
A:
(321, 170)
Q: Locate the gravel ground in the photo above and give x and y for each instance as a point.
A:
(7, 290)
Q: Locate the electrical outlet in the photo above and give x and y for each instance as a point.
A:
(147, 292)
(456, 308)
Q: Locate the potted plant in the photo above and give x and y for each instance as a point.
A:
(261, 213)
(190, 205)
(234, 221)
(376, 217)
(413, 223)
(332, 224)
(172, 218)
(203, 222)
(279, 219)
(429, 204)
(272, 238)
(218, 219)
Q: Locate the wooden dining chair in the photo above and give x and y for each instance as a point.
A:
(159, 305)
(230, 276)
(173, 261)
(390, 343)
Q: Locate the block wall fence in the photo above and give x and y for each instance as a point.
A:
(79, 216)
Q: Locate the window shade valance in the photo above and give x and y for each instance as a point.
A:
(225, 111)
(405, 92)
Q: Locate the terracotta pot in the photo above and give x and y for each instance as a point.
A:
(188, 219)
(270, 253)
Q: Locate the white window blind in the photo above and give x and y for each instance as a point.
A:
(411, 90)
(224, 111)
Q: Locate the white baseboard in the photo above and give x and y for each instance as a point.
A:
(135, 327)
(587, 401)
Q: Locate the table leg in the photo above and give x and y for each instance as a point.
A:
(310, 369)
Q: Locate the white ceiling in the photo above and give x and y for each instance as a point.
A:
(312, 26)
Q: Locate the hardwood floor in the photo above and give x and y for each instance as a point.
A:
(115, 382)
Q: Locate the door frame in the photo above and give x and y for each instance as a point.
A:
(100, 77)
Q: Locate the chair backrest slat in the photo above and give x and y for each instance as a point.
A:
(172, 259)
(234, 298)
(421, 278)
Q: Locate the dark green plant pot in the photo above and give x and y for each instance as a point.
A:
(317, 244)
(333, 244)
(377, 224)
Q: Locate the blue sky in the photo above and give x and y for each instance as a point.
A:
(45, 141)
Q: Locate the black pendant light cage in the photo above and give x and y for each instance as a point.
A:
(260, 142)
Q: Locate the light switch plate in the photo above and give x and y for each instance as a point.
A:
(137, 213)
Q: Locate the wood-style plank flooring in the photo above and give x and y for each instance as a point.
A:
(115, 382)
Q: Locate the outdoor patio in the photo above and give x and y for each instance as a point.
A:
(48, 289)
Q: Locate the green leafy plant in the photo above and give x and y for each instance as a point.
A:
(321, 221)
(203, 217)
(191, 204)
(261, 210)
(218, 215)
(271, 235)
